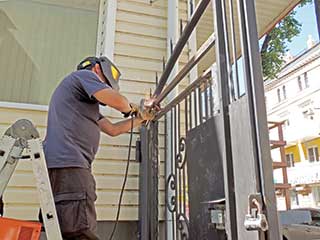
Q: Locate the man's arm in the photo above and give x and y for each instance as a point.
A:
(113, 99)
(115, 129)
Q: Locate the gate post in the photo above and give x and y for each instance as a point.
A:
(148, 181)
(257, 111)
(224, 101)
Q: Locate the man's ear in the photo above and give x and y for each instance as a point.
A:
(96, 68)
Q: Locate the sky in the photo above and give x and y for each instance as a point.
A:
(306, 16)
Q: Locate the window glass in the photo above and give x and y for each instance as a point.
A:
(313, 154)
(279, 95)
(290, 159)
(40, 42)
(306, 79)
(284, 92)
(300, 83)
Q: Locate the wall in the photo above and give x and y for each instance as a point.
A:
(140, 45)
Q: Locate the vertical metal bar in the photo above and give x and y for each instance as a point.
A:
(234, 50)
(222, 75)
(229, 68)
(257, 112)
(206, 99)
(190, 111)
(173, 231)
(200, 105)
(183, 170)
(166, 159)
(211, 97)
(154, 150)
(186, 113)
(143, 182)
(195, 108)
(177, 158)
(175, 167)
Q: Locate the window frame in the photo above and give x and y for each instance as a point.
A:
(279, 95)
(284, 92)
(306, 79)
(112, 14)
(314, 153)
(300, 84)
(290, 163)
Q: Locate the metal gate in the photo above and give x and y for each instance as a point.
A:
(217, 154)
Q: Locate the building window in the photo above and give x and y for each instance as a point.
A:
(290, 159)
(41, 42)
(284, 92)
(313, 154)
(300, 83)
(279, 95)
(306, 80)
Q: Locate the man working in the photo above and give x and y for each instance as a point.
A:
(74, 125)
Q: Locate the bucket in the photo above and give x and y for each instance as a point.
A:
(12, 229)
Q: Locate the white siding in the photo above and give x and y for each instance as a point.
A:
(140, 45)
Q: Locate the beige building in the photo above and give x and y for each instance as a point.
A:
(42, 40)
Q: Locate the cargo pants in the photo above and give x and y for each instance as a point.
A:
(74, 195)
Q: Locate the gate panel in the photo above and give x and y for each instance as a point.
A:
(243, 162)
(205, 176)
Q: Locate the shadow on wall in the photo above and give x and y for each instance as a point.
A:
(16, 66)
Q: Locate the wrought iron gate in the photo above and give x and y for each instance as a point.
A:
(234, 121)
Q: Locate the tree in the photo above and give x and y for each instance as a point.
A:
(275, 43)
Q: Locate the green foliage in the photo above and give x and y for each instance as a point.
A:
(275, 44)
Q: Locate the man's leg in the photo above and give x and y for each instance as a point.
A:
(74, 194)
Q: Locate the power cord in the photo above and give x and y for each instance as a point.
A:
(124, 182)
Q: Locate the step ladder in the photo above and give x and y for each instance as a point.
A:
(22, 135)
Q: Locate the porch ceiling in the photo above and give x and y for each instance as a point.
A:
(268, 13)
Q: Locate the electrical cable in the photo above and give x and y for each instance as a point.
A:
(124, 182)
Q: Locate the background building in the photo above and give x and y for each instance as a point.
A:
(43, 40)
(295, 99)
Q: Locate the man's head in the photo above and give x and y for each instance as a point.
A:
(104, 68)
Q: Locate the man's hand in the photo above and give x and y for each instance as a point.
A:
(148, 109)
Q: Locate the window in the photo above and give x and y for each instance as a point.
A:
(313, 154)
(284, 92)
(290, 159)
(41, 42)
(279, 95)
(306, 80)
(300, 83)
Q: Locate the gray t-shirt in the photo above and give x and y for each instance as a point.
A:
(73, 133)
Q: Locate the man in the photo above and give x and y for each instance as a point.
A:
(74, 125)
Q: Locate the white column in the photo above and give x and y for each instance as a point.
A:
(192, 42)
(172, 37)
(109, 28)
(301, 153)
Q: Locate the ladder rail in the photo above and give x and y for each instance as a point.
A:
(8, 162)
(48, 208)
(22, 135)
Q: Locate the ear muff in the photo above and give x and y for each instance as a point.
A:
(88, 63)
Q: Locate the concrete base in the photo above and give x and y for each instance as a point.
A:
(125, 230)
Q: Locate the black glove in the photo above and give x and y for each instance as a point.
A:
(133, 112)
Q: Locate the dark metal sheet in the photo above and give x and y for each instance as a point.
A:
(205, 176)
(243, 162)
